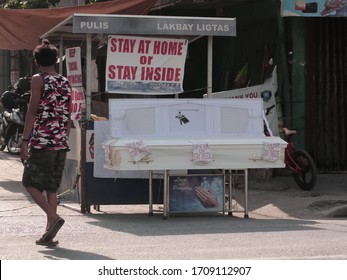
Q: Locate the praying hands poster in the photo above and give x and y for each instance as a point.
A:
(196, 193)
(142, 65)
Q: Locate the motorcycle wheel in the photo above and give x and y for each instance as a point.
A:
(307, 176)
(13, 145)
(2, 147)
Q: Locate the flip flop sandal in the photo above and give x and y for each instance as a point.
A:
(50, 243)
(53, 230)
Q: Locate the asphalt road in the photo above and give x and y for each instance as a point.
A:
(285, 223)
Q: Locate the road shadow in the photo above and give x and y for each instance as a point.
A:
(15, 187)
(61, 253)
(144, 225)
(8, 156)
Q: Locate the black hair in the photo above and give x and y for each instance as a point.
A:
(45, 54)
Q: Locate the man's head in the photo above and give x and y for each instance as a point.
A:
(45, 54)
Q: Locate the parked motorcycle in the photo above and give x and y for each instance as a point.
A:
(11, 129)
(14, 102)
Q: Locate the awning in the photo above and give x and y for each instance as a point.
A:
(21, 29)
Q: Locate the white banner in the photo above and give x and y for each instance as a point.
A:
(73, 66)
(141, 65)
(265, 91)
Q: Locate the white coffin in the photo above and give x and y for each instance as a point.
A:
(177, 154)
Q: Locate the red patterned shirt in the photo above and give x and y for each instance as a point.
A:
(50, 130)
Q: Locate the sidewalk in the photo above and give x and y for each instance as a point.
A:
(22, 222)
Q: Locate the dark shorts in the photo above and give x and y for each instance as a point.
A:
(44, 170)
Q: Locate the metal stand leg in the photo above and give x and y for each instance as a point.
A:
(224, 180)
(150, 199)
(246, 193)
(166, 195)
(231, 185)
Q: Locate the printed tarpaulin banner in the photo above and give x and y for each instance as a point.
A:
(142, 65)
(318, 8)
(73, 66)
(196, 193)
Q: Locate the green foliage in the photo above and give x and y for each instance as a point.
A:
(30, 4)
(13, 4)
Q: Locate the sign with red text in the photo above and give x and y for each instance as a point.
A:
(73, 66)
(141, 65)
(78, 102)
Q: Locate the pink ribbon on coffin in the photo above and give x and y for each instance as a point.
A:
(272, 151)
(202, 152)
(137, 150)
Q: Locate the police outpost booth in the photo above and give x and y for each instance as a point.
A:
(131, 39)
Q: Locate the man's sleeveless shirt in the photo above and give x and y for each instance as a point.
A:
(50, 127)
